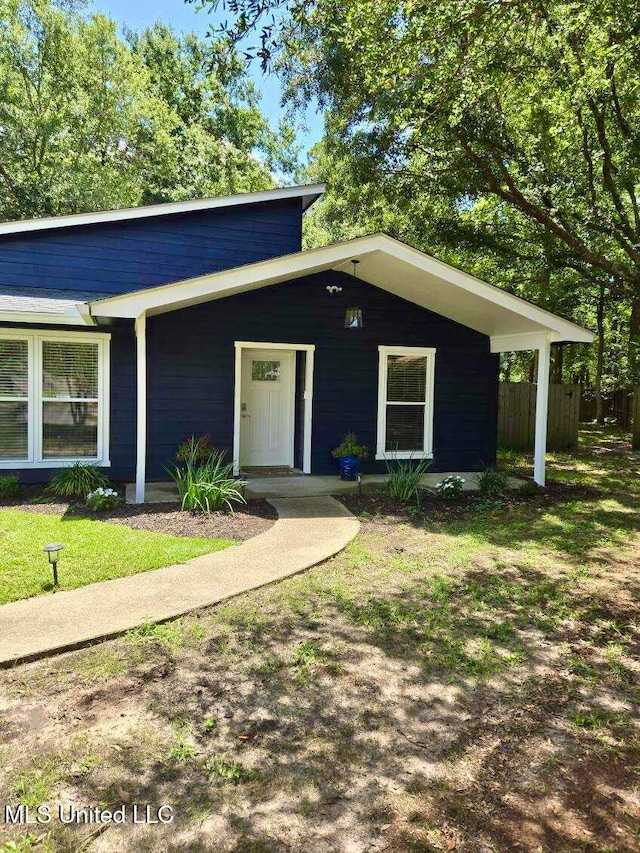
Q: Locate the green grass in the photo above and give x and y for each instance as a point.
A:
(93, 551)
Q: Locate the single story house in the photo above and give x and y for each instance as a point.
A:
(123, 332)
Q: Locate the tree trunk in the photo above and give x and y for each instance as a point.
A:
(634, 341)
(600, 355)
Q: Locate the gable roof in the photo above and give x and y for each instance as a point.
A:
(511, 322)
(308, 193)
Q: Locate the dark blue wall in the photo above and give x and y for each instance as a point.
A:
(191, 358)
(191, 373)
(118, 257)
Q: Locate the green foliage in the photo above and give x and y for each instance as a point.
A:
(77, 481)
(226, 769)
(101, 499)
(450, 488)
(404, 479)
(93, 121)
(492, 483)
(196, 448)
(9, 485)
(349, 447)
(206, 484)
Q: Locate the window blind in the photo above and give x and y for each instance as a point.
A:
(14, 399)
(70, 381)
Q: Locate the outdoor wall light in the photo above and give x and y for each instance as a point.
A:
(53, 553)
(353, 315)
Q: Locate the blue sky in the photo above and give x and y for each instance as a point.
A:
(137, 14)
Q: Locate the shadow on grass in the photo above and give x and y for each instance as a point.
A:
(416, 711)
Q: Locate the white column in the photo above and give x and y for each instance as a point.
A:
(542, 406)
(141, 408)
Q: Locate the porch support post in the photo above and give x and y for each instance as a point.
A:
(308, 410)
(141, 407)
(542, 405)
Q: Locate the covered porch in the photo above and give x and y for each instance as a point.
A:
(341, 382)
(307, 485)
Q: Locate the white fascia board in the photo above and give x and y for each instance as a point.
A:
(518, 343)
(308, 193)
(252, 276)
(48, 319)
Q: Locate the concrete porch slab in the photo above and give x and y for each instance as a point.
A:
(297, 486)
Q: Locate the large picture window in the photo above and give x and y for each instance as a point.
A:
(405, 403)
(53, 399)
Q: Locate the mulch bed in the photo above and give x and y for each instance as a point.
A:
(248, 521)
(434, 508)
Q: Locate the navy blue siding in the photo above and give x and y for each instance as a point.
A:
(191, 369)
(119, 257)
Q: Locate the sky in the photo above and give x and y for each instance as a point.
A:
(136, 14)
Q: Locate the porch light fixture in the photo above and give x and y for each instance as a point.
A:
(53, 553)
(353, 314)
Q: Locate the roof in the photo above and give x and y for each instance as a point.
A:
(308, 193)
(511, 322)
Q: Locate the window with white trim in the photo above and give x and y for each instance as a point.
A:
(54, 399)
(405, 402)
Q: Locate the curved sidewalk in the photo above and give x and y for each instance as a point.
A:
(308, 531)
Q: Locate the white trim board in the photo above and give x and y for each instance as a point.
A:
(307, 192)
(384, 262)
(309, 349)
(381, 436)
(35, 340)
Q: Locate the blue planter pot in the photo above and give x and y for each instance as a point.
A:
(349, 467)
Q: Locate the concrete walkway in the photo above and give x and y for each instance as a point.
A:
(308, 530)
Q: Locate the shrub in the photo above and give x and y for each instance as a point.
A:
(9, 485)
(450, 487)
(404, 479)
(492, 483)
(77, 481)
(349, 447)
(206, 485)
(100, 499)
(198, 448)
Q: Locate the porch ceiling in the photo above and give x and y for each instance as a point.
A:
(511, 322)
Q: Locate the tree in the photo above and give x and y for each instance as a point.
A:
(91, 121)
(517, 118)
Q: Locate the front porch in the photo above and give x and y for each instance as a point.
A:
(305, 486)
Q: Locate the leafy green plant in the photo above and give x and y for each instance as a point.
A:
(9, 486)
(404, 479)
(230, 771)
(206, 485)
(77, 481)
(492, 483)
(530, 487)
(450, 488)
(101, 499)
(198, 448)
(349, 447)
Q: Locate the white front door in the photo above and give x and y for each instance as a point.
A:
(267, 407)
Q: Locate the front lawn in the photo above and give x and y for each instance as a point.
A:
(93, 551)
(462, 680)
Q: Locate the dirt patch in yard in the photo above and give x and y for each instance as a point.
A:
(380, 505)
(248, 521)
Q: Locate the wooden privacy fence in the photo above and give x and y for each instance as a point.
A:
(517, 414)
